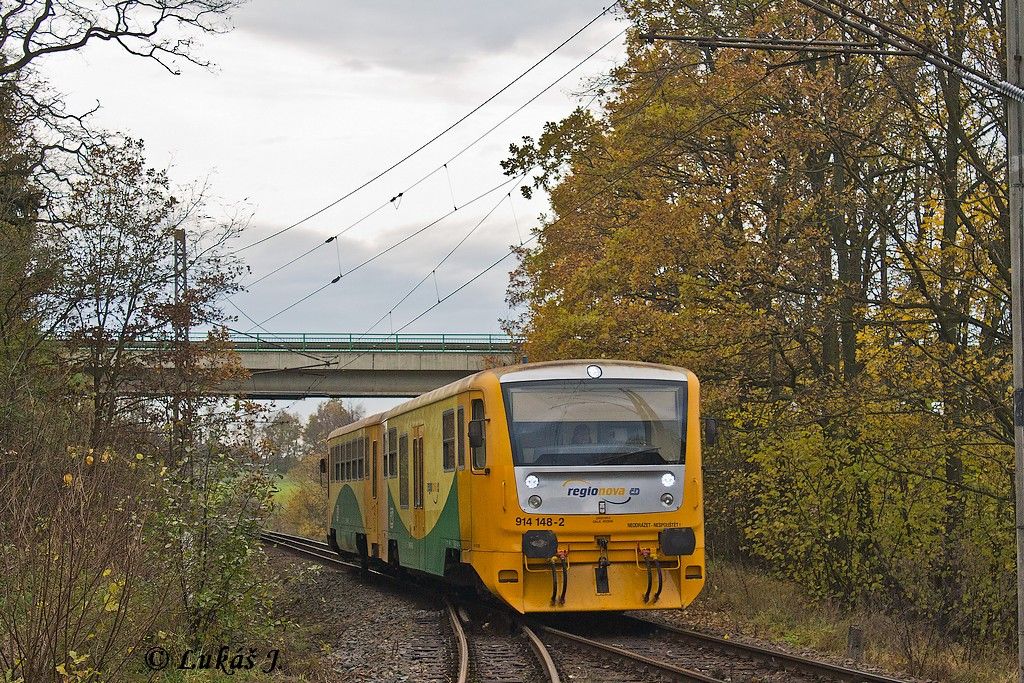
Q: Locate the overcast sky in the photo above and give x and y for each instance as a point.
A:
(309, 99)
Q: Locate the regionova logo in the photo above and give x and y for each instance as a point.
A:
(581, 488)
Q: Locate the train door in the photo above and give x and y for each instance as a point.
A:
(373, 517)
(330, 481)
(418, 514)
(462, 476)
(481, 496)
(387, 505)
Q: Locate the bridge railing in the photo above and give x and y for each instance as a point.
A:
(280, 342)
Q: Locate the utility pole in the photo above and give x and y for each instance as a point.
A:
(1015, 173)
(181, 333)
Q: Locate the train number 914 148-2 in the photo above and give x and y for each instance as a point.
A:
(540, 521)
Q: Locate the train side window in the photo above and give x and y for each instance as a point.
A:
(423, 456)
(417, 472)
(403, 471)
(373, 471)
(337, 463)
(462, 438)
(479, 452)
(448, 440)
(330, 464)
(392, 463)
(350, 458)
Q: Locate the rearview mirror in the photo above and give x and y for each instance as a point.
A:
(476, 433)
(710, 431)
(323, 465)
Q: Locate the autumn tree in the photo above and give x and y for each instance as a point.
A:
(822, 238)
(163, 31)
(283, 436)
(327, 417)
(108, 538)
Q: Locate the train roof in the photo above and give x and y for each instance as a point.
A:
(367, 421)
(529, 371)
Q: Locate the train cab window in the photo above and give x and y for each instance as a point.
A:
(461, 443)
(392, 459)
(417, 472)
(480, 452)
(403, 471)
(373, 470)
(448, 440)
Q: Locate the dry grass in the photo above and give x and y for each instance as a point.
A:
(740, 600)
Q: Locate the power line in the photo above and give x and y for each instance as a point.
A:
(434, 138)
(397, 197)
(837, 47)
(901, 41)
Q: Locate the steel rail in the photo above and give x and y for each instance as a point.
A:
(460, 639)
(804, 664)
(665, 667)
(317, 550)
(539, 649)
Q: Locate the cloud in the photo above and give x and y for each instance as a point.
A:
(412, 36)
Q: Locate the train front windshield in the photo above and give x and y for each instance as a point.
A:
(585, 423)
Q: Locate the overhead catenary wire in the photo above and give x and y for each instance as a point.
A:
(433, 139)
(433, 271)
(397, 198)
(382, 252)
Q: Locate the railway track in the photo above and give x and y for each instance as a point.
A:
(483, 650)
(621, 648)
(678, 654)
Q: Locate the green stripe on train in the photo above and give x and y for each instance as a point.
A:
(427, 554)
(347, 519)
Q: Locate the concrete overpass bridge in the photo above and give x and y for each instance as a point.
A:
(300, 365)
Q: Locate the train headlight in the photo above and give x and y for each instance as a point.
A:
(594, 371)
(534, 501)
(667, 499)
(668, 479)
(532, 481)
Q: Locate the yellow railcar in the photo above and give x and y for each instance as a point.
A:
(561, 486)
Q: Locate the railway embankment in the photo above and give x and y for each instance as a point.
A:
(338, 625)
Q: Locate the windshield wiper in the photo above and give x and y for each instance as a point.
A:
(628, 454)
